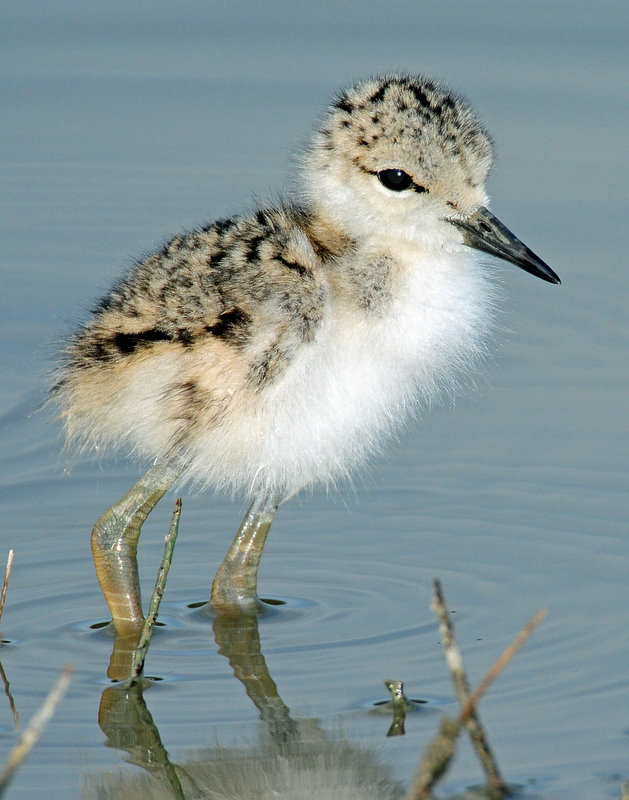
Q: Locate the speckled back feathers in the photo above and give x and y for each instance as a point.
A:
(281, 347)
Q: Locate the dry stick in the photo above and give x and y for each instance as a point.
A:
(501, 663)
(5, 585)
(139, 656)
(7, 691)
(462, 686)
(35, 728)
(441, 749)
(3, 597)
(435, 760)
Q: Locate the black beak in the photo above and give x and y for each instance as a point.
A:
(483, 231)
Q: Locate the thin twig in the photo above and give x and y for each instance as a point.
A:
(463, 690)
(501, 663)
(35, 728)
(139, 656)
(5, 585)
(7, 691)
(442, 748)
(435, 760)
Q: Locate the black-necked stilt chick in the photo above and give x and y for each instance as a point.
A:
(267, 352)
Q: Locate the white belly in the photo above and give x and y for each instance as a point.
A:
(355, 385)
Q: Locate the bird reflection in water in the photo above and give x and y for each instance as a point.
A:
(294, 758)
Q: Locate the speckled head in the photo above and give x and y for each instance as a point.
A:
(407, 123)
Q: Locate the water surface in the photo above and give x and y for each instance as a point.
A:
(122, 125)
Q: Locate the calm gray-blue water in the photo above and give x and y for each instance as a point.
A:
(125, 123)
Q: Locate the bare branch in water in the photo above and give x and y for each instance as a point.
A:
(502, 662)
(463, 690)
(5, 585)
(139, 656)
(442, 748)
(7, 691)
(35, 728)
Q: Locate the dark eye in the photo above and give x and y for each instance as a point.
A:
(396, 180)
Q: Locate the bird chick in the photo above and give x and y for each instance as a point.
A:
(266, 352)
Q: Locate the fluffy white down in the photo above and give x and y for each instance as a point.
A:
(354, 386)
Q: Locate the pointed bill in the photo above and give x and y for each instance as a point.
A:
(483, 231)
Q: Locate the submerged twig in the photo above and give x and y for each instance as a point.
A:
(35, 728)
(5, 585)
(139, 656)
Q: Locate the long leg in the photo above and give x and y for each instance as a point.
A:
(115, 543)
(236, 582)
